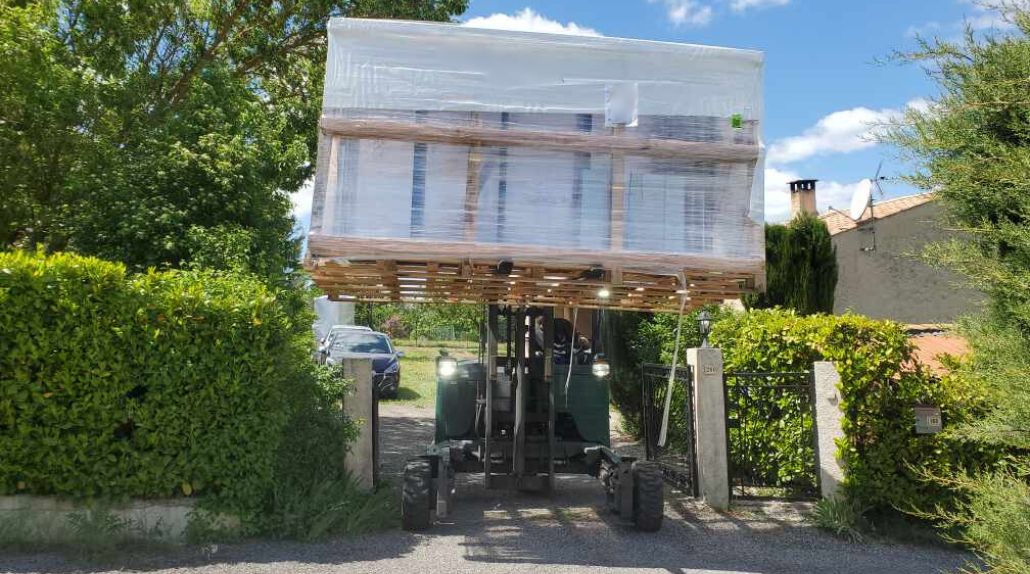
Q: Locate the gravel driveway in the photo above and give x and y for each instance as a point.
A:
(571, 532)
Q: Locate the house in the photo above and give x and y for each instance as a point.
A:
(880, 272)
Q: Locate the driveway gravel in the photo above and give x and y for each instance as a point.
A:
(568, 532)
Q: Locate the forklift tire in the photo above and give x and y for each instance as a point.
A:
(648, 496)
(416, 495)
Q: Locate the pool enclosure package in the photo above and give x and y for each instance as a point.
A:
(461, 164)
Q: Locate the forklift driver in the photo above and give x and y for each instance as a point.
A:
(563, 337)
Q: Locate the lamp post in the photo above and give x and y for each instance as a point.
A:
(704, 326)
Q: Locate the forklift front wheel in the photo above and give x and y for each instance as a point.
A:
(648, 496)
(416, 496)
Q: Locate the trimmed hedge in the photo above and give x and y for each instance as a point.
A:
(886, 463)
(633, 339)
(153, 385)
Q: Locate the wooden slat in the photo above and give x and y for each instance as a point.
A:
(562, 141)
(618, 195)
(326, 246)
(475, 281)
(472, 184)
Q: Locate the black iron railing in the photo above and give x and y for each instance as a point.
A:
(770, 434)
(678, 456)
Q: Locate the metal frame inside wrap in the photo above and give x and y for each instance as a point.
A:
(608, 172)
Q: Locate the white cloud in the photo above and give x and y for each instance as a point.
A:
(777, 194)
(689, 12)
(927, 29)
(741, 5)
(840, 132)
(984, 17)
(527, 20)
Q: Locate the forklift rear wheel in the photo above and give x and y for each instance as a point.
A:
(415, 501)
(648, 496)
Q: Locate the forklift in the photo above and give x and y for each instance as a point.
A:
(534, 405)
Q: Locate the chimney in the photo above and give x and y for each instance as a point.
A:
(802, 197)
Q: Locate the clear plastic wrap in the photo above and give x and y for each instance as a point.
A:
(445, 143)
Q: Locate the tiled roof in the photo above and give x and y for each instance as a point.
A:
(932, 342)
(838, 221)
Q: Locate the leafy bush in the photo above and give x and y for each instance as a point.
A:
(885, 461)
(633, 339)
(153, 385)
(394, 327)
(423, 321)
(312, 495)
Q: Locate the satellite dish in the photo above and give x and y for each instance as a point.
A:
(860, 200)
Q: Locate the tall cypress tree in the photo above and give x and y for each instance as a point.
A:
(801, 267)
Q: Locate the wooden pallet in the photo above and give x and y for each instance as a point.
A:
(444, 277)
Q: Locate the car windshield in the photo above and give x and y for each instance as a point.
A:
(362, 343)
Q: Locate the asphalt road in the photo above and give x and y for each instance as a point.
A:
(569, 532)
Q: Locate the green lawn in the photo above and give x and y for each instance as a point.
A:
(418, 368)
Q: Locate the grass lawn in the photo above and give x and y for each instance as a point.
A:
(418, 368)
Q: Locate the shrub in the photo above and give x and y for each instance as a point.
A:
(633, 339)
(395, 327)
(422, 321)
(801, 263)
(312, 496)
(839, 515)
(154, 385)
(994, 518)
(885, 462)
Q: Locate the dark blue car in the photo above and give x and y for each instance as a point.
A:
(359, 344)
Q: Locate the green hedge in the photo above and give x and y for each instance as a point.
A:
(886, 463)
(633, 339)
(152, 385)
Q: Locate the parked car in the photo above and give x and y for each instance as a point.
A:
(368, 344)
(325, 342)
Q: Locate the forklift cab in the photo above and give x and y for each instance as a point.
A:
(581, 397)
(534, 405)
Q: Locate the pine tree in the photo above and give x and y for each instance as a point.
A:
(971, 146)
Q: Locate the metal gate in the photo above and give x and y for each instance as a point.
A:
(678, 458)
(769, 420)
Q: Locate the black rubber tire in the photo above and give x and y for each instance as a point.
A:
(434, 484)
(415, 496)
(648, 496)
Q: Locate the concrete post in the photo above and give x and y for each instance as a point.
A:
(710, 426)
(359, 405)
(827, 427)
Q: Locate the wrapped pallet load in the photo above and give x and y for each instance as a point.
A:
(466, 165)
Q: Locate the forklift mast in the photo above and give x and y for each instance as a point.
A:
(518, 398)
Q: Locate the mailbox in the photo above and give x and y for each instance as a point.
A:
(928, 420)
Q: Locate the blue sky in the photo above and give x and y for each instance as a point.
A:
(823, 89)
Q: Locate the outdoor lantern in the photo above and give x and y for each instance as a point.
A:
(704, 326)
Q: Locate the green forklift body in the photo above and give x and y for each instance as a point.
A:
(581, 409)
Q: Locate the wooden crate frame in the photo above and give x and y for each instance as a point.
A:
(401, 270)
(472, 281)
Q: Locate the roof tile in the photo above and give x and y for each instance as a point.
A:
(838, 221)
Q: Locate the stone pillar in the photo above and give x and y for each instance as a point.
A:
(827, 427)
(359, 405)
(710, 427)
